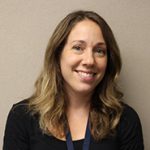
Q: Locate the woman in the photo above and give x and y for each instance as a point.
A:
(76, 103)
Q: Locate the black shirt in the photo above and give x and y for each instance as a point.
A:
(22, 132)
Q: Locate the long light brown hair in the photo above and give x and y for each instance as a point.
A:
(48, 100)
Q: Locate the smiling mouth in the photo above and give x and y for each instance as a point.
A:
(86, 75)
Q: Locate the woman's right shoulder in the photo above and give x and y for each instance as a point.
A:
(20, 107)
(20, 110)
(20, 116)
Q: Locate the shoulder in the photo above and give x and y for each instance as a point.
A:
(20, 108)
(20, 126)
(129, 129)
(20, 120)
(129, 114)
(21, 105)
(19, 114)
(129, 119)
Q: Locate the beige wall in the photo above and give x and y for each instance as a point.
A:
(26, 25)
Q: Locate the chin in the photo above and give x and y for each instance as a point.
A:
(85, 90)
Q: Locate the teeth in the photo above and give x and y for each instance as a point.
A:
(84, 74)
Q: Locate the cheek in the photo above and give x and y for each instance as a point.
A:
(66, 65)
(102, 64)
(69, 61)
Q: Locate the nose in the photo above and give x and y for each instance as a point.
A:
(88, 58)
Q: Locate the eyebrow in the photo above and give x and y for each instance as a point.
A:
(80, 41)
(83, 42)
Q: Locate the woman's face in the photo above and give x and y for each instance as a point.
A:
(83, 59)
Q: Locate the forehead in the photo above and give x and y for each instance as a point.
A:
(86, 30)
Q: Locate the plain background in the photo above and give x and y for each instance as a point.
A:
(26, 26)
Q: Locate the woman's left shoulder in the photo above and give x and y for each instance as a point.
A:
(129, 114)
(129, 129)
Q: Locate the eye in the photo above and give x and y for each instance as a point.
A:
(77, 47)
(100, 51)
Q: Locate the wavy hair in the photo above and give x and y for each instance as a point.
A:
(48, 100)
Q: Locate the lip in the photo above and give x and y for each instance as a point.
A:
(84, 71)
(86, 76)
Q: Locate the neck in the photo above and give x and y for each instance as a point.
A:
(78, 101)
(77, 114)
(78, 106)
